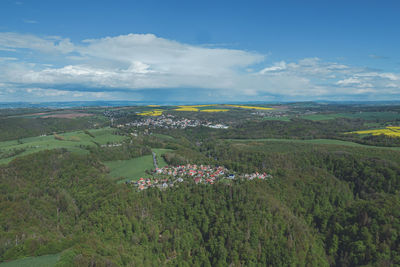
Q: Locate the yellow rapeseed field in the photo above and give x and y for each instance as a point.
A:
(155, 112)
(249, 107)
(198, 106)
(214, 110)
(192, 107)
(153, 106)
(186, 108)
(393, 131)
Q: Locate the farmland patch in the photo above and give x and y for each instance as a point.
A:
(40, 261)
(73, 141)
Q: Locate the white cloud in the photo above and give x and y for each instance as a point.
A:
(133, 61)
(140, 61)
(276, 67)
(307, 66)
(166, 56)
(7, 59)
(46, 92)
(349, 81)
(388, 75)
(12, 41)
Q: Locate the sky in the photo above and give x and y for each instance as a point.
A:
(199, 51)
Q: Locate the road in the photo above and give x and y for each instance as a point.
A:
(155, 160)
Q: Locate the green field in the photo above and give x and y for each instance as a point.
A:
(44, 113)
(313, 141)
(358, 115)
(130, 169)
(133, 169)
(321, 117)
(160, 160)
(41, 261)
(73, 141)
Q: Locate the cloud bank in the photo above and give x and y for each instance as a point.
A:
(128, 66)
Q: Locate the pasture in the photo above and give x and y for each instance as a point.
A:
(66, 114)
(358, 115)
(313, 141)
(130, 169)
(40, 261)
(73, 141)
(133, 169)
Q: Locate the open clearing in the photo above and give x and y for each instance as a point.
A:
(358, 115)
(133, 169)
(73, 141)
(68, 115)
(313, 141)
(41, 261)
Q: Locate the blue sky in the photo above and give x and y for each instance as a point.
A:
(199, 50)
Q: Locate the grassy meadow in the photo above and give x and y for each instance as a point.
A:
(135, 168)
(313, 141)
(73, 141)
(358, 115)
(41, 261)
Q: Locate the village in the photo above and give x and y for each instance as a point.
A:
(271, 114)
(170, 122)
(166, 177)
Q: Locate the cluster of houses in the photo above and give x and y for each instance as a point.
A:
(270, 114)
(200, 174)
(111, 145)
(217, 126)
(256, 175)
(170, 122)
(144, 183)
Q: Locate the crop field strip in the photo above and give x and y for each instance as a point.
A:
(392, 131)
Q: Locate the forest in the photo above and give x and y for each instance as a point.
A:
(333, 200)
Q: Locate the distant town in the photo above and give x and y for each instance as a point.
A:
(170, 122)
